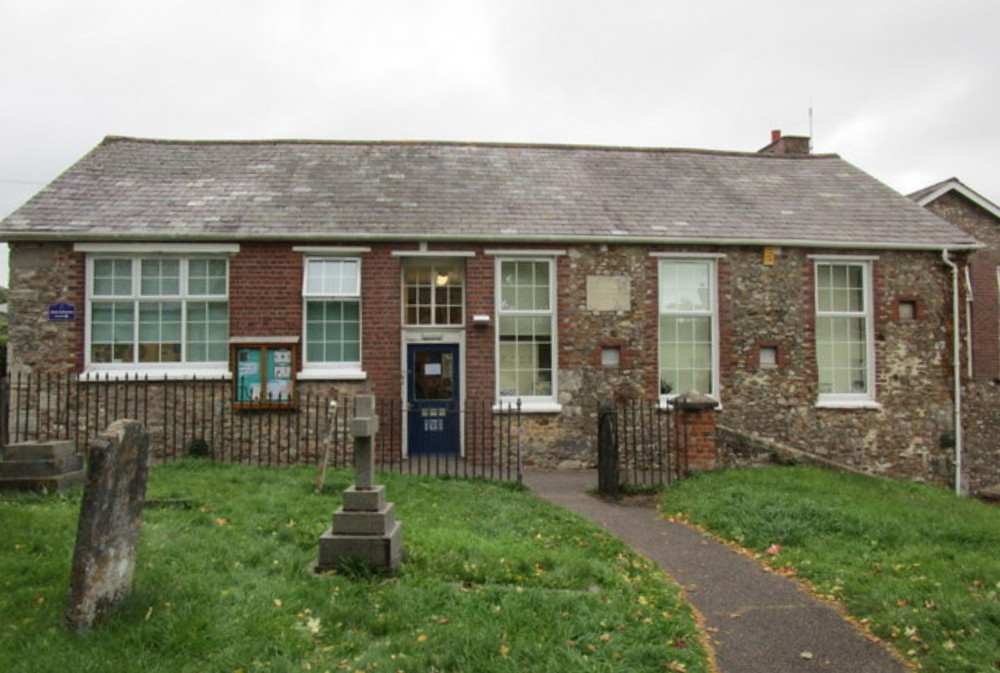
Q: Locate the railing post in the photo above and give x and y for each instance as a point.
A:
(607, 450)
(520, 466)
(697, 423)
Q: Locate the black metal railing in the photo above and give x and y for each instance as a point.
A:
(199, 417)
(639, 446)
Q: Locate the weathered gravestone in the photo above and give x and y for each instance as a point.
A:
(110, 519)
(364, 528)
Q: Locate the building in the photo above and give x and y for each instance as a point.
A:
(813, 302)
(965, 208)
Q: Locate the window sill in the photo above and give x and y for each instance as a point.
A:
(528, 407)
(321, 374)
(669, 403)
(185, 373)
(865, 403)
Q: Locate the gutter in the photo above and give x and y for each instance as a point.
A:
(500, 239)
(956, 368)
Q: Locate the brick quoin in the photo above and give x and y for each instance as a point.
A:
(985, 315)
(75, 264)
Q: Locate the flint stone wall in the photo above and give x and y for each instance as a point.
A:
(906, 437)
(607, 298)
(42, 275)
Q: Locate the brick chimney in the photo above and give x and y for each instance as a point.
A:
(786, 145)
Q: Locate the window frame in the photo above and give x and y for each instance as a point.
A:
(867, 398)
(528, 403)
(323, 369)
(137, 295)
(435, 266)
(712, 313)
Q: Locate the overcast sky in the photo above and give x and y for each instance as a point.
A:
(907, 90)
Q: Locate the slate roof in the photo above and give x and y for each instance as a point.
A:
(316, 191)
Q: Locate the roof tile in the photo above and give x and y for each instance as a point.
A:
(152, 190)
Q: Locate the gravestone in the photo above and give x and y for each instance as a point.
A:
(365, 527)
(110, 519)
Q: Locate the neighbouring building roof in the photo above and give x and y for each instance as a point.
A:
(139, 189)
(934, 192)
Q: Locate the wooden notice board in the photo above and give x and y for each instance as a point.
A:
(264, 372)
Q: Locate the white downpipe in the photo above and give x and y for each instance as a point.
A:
(957, 368)
(969, 299)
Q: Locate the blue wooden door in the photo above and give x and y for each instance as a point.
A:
(433, 395)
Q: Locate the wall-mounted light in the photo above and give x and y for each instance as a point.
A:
(481, 319)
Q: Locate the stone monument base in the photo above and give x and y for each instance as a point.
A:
(364, 529)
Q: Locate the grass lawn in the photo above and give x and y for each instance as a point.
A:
(495, 580)
(919, 566)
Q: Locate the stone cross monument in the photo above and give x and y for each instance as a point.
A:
(365, 527)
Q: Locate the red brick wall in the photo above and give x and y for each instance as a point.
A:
(380, 320)
(697, 429)
(265, 291)
(480, 341)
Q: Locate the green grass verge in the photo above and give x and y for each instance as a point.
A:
(495, 580)
(918, 565)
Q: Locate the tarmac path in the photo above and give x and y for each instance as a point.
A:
(757, 621)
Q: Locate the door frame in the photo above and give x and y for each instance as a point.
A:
(431, 337)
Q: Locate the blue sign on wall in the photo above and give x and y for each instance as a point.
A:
(61, 311)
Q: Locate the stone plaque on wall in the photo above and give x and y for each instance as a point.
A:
(609, 293)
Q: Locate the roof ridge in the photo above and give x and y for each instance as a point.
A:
(460, 143)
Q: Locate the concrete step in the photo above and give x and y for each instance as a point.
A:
(40, 468)
(379, 523)
(59, 482)
(39, 450)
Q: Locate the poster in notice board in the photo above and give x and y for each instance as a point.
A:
(279, 375)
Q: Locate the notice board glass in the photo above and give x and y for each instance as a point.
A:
(263, 375)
